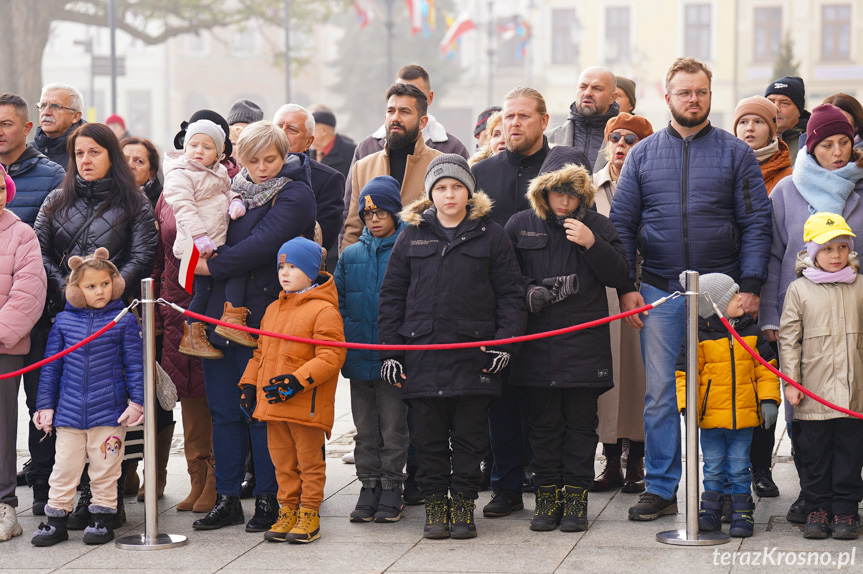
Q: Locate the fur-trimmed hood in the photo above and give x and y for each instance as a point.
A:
(479, 205)
(572, 178)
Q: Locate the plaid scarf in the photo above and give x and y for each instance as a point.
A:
(257, 194)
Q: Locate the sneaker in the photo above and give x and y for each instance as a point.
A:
(651, 506)
(762, 483)
(40, 496)
(844, 527)
(349, 458)
(54, 531)
(797, 511)
(574, 517)
(9, 526)
(367, 504)
(548, 511)
(817, 525)
(391, 507)
(462, 523)
(436, 525)
(503, 503)
(308, 527)
(287, 520)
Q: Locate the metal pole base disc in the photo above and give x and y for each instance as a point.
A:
(678, 538)
(139, 542)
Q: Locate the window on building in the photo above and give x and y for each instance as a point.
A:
(836, 32)
(768, 34)
(194, 44)
(617, 33)
(564, 27)
(697, 32)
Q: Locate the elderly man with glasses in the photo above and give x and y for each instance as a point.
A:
(60, 107)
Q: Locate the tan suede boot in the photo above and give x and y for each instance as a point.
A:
(133, 483)
(197, 476)
(198, 448)
(195, 343)
(207, 499)
(236, 316)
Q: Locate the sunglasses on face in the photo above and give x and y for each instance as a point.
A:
(615, 137)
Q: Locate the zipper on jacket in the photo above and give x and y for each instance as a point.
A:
(314, 396)
(87, 368)
(704, 401)
(733, 383)
(757, 403)
(685, 202)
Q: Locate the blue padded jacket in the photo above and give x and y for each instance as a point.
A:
(35, 176)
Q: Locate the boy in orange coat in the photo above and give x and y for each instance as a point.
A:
(298, 381)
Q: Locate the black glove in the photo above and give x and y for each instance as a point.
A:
(248, 399)
(561, 287)
(538, 298)
(498, 360)
(393, 372)
(282, 388)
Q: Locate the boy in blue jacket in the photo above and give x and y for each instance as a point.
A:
(379, 413)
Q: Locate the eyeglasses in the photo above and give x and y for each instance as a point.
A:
(53, 107)
(380, 213)
(685, 95)
(630, 139)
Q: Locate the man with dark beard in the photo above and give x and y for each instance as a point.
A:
(404, 157)
(594, 105)
(688, 197)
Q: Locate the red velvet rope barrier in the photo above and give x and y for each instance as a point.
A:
(776, 371)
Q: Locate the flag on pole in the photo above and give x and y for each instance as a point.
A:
(188, 263)
(455, 31)
(364, 15)
(415, 15)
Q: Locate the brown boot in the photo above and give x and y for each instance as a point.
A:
(163, 453)
(198, 476)
(207, 500)
(611, 477)
(634, 479)
(198, 447)
(196, 344)
(236, 316)
(132, 483)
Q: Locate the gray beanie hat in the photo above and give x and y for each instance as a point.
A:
(721, 288)
(245, 112)
(207, 128)
(449, 165)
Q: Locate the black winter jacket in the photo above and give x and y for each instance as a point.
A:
(132, 244)
(505, 178)
(329, 188)
(585, 133)
(340, 155)
(583, 358)
(437, 291)
(35, 176)
(55, 148)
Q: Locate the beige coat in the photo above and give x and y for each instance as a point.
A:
(821, 342)
(413, 186)
(199, 197)
(621, 410)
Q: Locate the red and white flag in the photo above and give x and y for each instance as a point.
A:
(462, 24)
(188, 263)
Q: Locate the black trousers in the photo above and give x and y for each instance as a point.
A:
(761, 451)
(451, 437)
(831, 458)
(562, 429)
(41, 446)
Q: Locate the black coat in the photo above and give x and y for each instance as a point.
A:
(437, 291)
(340, 155)
(505, 178)
(132, 244)
(55, 148)
(583, 358)
(329, 188)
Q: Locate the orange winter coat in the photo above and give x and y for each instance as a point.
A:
(313, 314)
(776, 167)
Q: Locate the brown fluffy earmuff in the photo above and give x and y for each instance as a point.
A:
(99, 260)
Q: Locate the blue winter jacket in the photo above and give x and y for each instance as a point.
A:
(35, 176)
(359, 275)
(92, 386)
(696, 203)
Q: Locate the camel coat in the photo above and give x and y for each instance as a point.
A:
(621, 409)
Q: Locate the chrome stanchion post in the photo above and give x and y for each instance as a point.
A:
(690, 536)
(151, 539)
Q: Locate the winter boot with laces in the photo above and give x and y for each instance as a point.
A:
(549, 509)
(308, 527)
(462, 524)
(287, 520)
(436, 516)
(236, 316)
(53, 532)
(611, 477)
(817, 525)
(367, 504)
(710, 513)
(101, 527)
(574, 517)
(742, 522)
(80, 517)
(196, 344)
(844, 527)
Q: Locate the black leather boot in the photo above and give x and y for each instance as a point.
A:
(226, 512)
(266, 513)
(80, 517)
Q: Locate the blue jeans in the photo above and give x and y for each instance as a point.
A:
(726, 460)
(231, 429)
(661, 338)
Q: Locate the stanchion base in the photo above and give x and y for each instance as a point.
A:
(678, 538)
(139, 542)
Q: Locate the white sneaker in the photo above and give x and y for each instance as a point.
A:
(348, 458)
(9, 526)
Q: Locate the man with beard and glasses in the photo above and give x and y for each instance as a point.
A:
(689, 197)
(595, 103)
(404, 157)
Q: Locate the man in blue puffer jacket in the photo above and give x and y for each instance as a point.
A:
(688, 197)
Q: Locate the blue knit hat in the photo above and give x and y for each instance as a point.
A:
(381, 192)
(303, 253)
